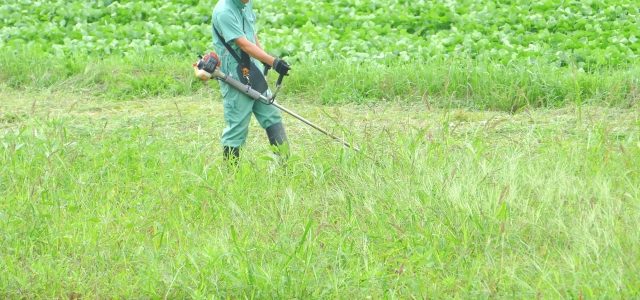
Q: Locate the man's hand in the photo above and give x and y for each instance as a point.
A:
(281, 66)
(201, 74)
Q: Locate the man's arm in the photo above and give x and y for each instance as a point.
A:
(258, 42)
(254, 50)
(279, 65)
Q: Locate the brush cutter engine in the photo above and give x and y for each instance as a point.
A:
(206, 66)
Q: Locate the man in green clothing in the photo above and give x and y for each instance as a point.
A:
(234, 23)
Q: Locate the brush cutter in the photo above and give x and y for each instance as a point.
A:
(208, 67)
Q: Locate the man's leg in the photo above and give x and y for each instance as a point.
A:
(276, 134)
(231, 154)
(237, 114)
(270, 119)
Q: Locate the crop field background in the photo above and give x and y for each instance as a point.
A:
(500, 153)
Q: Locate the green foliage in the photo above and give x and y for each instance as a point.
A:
(129, 199)
(466, 83)
(451, 82)
(583, 33)
(103, 199)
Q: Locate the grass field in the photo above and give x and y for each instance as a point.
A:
(129, 199)
(500, 153)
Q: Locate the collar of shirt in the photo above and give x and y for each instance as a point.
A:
(238, 3)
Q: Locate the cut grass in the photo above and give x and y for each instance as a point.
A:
(131, 199)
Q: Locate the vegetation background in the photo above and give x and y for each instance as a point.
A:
(501, 153)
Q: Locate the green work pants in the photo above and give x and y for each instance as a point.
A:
(237, 114)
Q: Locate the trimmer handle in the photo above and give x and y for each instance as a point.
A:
(279, 82)
(278, 85)
(266, 69)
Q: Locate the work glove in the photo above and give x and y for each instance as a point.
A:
(281, 66)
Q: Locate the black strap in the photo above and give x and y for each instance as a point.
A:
(244, 61)
(226, 45)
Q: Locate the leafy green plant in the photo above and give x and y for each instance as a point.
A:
(587, 34)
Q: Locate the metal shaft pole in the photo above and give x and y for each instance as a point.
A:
(247, 90)
(303, 120)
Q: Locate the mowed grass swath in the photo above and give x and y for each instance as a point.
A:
(500, 153)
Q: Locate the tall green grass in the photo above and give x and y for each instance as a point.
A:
(441, 83)
(468, 83)
(104, 199)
